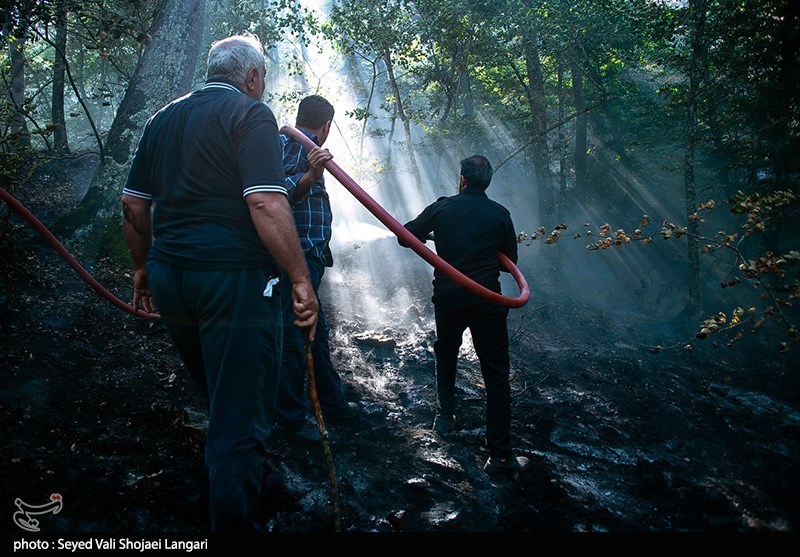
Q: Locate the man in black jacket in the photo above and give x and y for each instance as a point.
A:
(469, 229)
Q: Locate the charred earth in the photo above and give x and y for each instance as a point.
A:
(97, 407)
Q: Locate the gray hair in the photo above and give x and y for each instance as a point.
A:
(232, 57)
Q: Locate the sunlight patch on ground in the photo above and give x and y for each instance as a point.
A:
(378, 383)
(467, 350)
(565, 439)
(441, 514)
(738, 494)
(441, 458)
(613, 498)
(367, 372)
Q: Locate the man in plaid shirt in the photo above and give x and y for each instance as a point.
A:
(311, 208)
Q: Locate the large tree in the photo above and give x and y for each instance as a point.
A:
(164, 72)
(696, 70)
(60, 141)
(19, 125)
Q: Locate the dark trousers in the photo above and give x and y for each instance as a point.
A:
(229, 337)
(293, 402)
(487, 324)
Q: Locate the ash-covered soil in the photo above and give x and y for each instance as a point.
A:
(96, 406)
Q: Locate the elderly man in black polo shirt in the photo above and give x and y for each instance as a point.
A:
(209, 164)
(468, 230)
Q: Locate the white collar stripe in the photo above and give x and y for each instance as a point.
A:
(269, 188)
(218, 85)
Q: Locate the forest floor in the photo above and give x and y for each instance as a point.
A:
(96, 407)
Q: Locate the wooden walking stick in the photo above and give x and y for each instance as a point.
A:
(323, 434)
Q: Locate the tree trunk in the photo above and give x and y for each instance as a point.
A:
(164, 72)
(581, 121)
(696, 65)
(461, 56)
(389, 146)
(563, 169)
(466, 91)
(18, 125)
(81, 81)
(782, 107)
(60, 143)
(784, 157)
(372, 81)
(412, 161)
(355, 74)
(538, 127)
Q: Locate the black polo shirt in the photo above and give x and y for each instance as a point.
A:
(197, 160)
(469, 229)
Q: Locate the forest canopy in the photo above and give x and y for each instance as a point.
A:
(677, 122)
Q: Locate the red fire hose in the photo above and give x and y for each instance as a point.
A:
(415, 244)
(372, 206)
(68, 257)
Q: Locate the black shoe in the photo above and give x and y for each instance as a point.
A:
(505, 465)
(443, 424)
(347, 412)
(306, 432)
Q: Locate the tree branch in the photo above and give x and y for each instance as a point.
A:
(551, 128)
(75, 90)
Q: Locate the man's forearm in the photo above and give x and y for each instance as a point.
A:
(302, 186)
(316, 166)
(138, 246)
(138, 229)
(419, 228)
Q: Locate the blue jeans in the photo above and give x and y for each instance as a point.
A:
(293, 402)
(229, 336)
(487, 324)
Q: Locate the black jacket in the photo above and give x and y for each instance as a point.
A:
(469, 229)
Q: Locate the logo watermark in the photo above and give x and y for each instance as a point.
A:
(25, 512)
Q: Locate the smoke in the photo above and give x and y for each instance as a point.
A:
(633, 290)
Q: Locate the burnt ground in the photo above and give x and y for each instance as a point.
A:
(95, 406)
